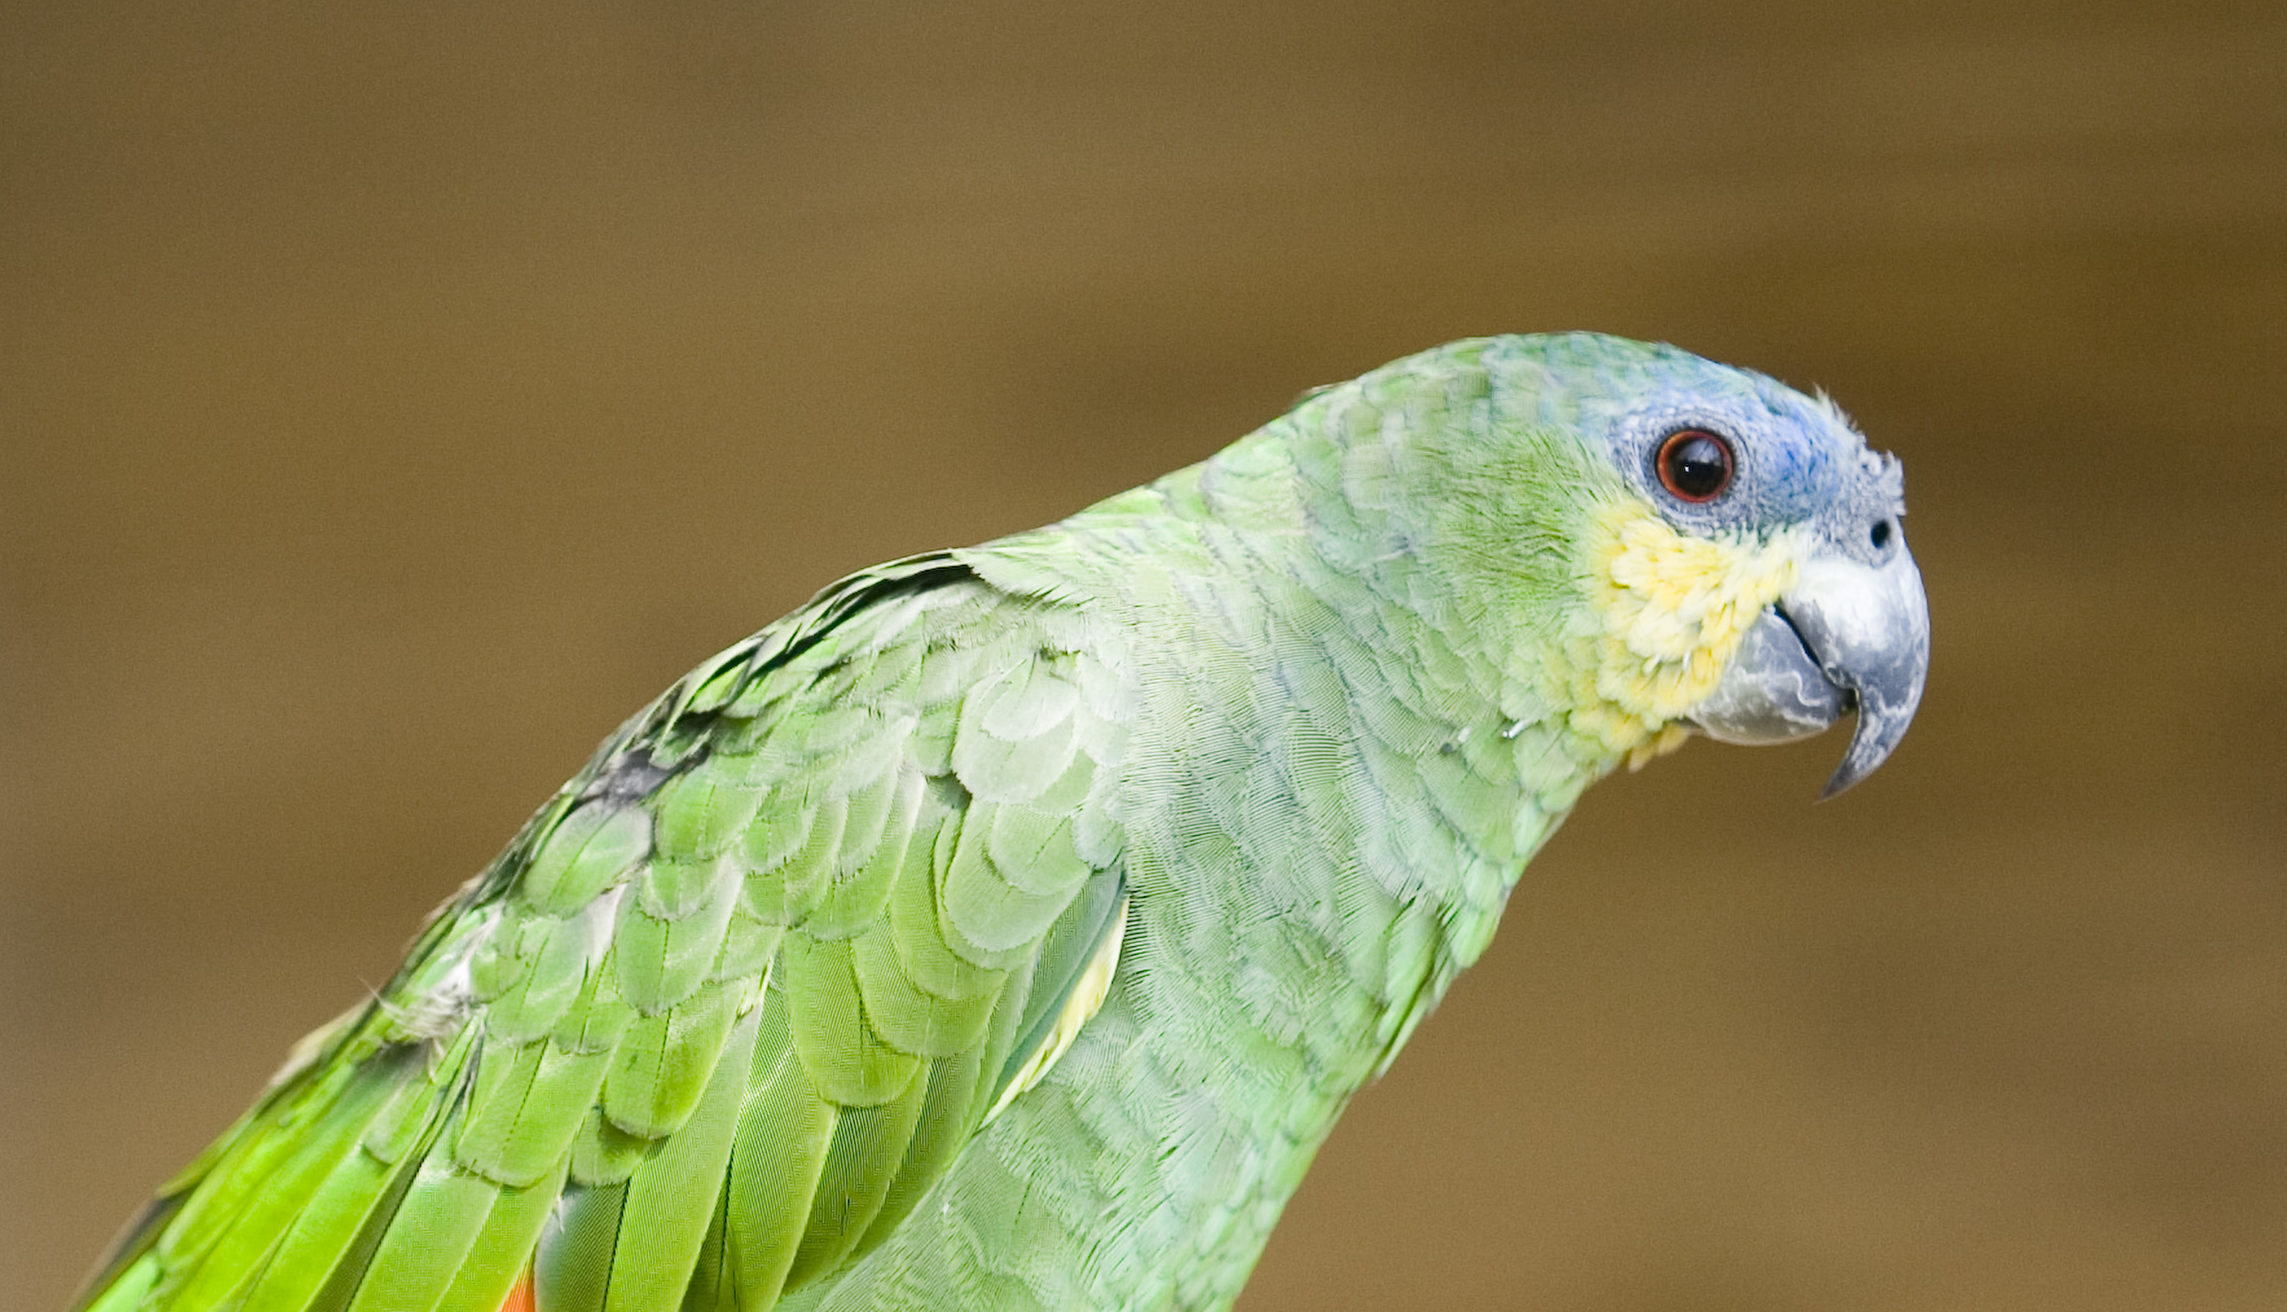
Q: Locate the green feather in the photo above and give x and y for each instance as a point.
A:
(861, 1162)
(699, 814)
(790, 862)
(1032, 747)
(849, 1061)
(908, 1018)
(527, 1104)
(503, 1248)
(558, 969)
(670, 1198)
(128, 1288)
(875, 840)
(1033, 850)
(571, 1270)
(381, 1215)
(1064, 957)
(665, 1061)
(672, 888)
(437, 1220)
(326, 1230)
(588, 852)
(996, 923)
(605, 1155)
(917, 934)
(262, 1196)
(948, 1116)
(749, 946)
(777, 1157)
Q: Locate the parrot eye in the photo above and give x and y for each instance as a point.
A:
(1695, 465)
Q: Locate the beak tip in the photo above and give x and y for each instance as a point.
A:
(1872, 739)
(1841, 781)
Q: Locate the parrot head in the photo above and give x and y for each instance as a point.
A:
(1726, 554)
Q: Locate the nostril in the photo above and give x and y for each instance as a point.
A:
(1881, 534)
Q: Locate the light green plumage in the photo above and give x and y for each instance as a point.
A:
(583, 1021)
(723, 1027)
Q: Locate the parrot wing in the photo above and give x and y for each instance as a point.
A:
(724, 1011)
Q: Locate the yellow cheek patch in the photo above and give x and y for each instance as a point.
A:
(1667, 612)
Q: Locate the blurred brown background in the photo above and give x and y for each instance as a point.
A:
(391, 401)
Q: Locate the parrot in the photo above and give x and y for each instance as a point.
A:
(1008, 926)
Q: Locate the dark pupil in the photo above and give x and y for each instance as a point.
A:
(1696, 465)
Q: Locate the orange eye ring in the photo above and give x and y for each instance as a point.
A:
(1695, 465)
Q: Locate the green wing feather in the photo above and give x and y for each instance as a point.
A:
(723, 1013)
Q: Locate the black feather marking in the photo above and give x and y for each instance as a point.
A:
(629, 777)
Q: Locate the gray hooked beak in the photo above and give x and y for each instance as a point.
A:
(1847, 636)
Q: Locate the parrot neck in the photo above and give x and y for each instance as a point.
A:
(1448, 697)
(1340, 756)
(1381, 698)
